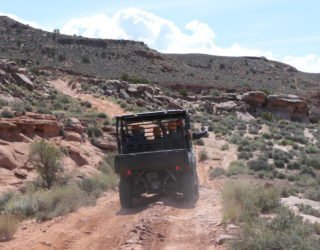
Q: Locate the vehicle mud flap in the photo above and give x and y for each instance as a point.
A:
(189, 189)
(125, 193)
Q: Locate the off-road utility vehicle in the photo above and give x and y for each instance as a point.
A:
(155, 155)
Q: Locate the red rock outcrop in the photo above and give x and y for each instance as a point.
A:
(31, 124)
(289, 107)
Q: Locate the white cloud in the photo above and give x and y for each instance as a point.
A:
(33, 24)
(167, 37)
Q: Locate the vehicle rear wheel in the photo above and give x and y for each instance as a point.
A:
(188, 187)
(125, 193)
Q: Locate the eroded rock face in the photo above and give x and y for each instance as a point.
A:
(288, 107)
(255, 98)
(31, 124)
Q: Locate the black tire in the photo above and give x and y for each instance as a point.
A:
(188, 187)
(125, 193)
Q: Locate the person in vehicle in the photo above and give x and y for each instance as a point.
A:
(157, 133)
(137, 134)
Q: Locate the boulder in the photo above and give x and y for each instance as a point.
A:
(124, 94)
(74, 125)
(23, 80)
(223, 238)
(225, 106)
(255, 98)
(105, 142)
(132, 90)
(76, 155)
(73, 136)
(244, 116)
(19, 173)
(7, 159)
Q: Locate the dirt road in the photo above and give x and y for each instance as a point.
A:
(112, 109)
(155, 222)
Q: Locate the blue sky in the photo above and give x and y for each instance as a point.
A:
(284, 30)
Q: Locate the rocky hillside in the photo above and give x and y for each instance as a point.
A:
(114, 58)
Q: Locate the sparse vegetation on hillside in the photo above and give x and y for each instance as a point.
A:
(47, 159)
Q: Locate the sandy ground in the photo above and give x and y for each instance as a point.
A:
(154, 223)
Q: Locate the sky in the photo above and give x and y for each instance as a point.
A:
(282, 30)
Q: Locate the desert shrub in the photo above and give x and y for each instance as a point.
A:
(295, 146)
(307, 170)
(7, 114)
(199, 142)
(216, 172)
(203, 155)
(8, 226)
(311, 160)
(313, 194)
(279, 154)
(102, 115)
(279, 163)
(133, 79)
(307, 209)
(280, 175)
(85, 59)
(107, 163)
(258, 164)
(225, 147)
(285, 231)
(253, 130)
(293, 165)
(286, 142)
(244, 155)
(46, 158)
(215, 92)
(311, 149)
(243, 202)
(43, 109)
(236, 167)
(94, 131)
(267, 116)
(183, 93)
(267, 136)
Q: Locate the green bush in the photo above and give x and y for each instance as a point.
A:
(243, 201)
(47, 159)
(236, 167)
(133, 79)
(94, 131)
(311, 149)
(102, 115)
(7, 114)
(258, 165)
